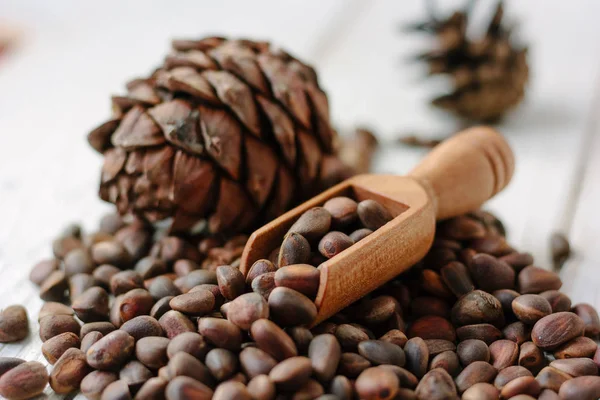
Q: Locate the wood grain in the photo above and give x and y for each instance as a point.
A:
(466, 170)
(581, 273)
(370, 82)
(55, 87)
(456, 177)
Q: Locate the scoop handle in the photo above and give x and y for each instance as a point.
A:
(466, 170)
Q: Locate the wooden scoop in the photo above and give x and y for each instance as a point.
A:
(456, 177)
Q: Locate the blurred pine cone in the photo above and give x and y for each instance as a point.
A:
(489, 74)
(230, 131)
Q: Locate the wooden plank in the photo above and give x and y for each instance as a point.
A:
(580, 274)
(57, 87)
(368, 82)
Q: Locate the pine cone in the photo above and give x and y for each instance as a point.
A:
(488, 74)
(229, 131)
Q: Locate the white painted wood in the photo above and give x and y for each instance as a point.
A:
(581, 274)
(57, 86)
(369, 83)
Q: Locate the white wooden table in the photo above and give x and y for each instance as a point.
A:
(75, 54)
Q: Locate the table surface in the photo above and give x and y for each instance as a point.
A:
(55, 87)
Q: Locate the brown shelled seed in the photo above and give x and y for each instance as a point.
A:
(474, 317)
(272, 339)
(436, 385)
(343, 211)
(524, 385)
(333, 243)
(536, 280)
(558, 300)
(53, 325)
(24, 381)
(302, 278)
(552, 378)
(352, 364)
(116, 390)
(152, 389)
(189, 342)
(152, 351)
(42, 270)
(485, 332)
(14, 324)
(246, 309)
(590, 318)
(95, 382)
(289, 307)
(185, 387)
(510, 373)
(8, 363)
(481, 391)
(291, 373)
(556, 329)
(417, 356)
(476, 372)
(103, 327)
(583, 387)
(324, 352)
(491, 273)
(54, 348)
(255, 362)
(579, 347)
(503, 353)
(380, 352)
(518, 332)
(576, 366)
(372, 214)
(174, 323)
(261, 387)
(313, 224)
(184, 364)
(111, 351)
(53, 308)
(472, 350)
(142, 326)
(221, 363)
(69, 371)
(531, 357)
(294, 249)
(448, 360)
(91, 305)
(89, 339)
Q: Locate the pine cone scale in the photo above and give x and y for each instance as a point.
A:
(100, 137)
(262, 166)
(223, 138)
(179, 125)
(320, 105)
(193, 183)
(310, 160)
(136, 130)
(188, 80)
(287, 88)
(240, 62)
(114, 161)
(283, 128)
(237, 96)
(231, 205)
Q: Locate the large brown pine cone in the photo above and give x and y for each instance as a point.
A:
(233, 132)
(489, 73)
